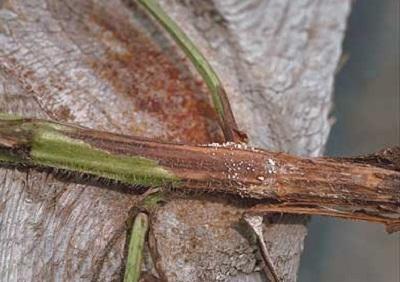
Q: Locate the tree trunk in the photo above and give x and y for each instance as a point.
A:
(108, 65)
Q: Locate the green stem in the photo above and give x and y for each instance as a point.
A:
(136, 244)
(218, 94)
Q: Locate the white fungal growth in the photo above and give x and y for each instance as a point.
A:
(271, 166)
(220, 145)
(232, 145)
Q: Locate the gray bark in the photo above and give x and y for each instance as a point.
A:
(107, 65)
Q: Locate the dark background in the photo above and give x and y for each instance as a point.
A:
(367, 113)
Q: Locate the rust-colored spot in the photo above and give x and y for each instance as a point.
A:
(154, 82)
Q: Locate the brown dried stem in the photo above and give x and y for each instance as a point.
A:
(362, 188)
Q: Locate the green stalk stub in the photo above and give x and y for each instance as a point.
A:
(136, 244)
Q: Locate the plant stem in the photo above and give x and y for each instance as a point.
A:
(218, 94)
(136, 244)
(363, 188)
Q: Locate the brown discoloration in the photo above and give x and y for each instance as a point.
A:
(139, 70)
(228, 123)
